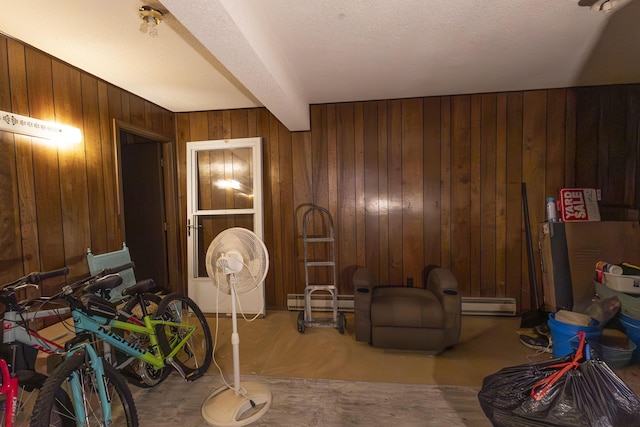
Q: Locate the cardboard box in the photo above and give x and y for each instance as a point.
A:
(569, 269)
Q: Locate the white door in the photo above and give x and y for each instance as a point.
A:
(224, 190)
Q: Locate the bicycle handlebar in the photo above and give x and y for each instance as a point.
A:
(37, 277)
(40, 276)
(69, 289)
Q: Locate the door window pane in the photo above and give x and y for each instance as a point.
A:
(225, 179)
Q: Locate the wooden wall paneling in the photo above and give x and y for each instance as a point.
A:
(501, 195)
(445, 179)
(263, 117)
(394, 166)
(45, 163)
(252, 123)
(73, 172)
(287, 210)
(381, 265)
(5, 90)
(632, 109)
(107, 167)
(359, 216)
(280, 275)
(319, 186)
(555, 150)
(332, 192)
(475, 203)
(214, 121)
(92, 137)
(412, 190)
(461, 191)
(198, 127)
(621, 149)
(533, 172)
(488, 190)
(570, 139)
(431, 177)
(137, 110)
(612, 145)
(302, 193)
(587, 125)
(515, 278)
(239, 123)
(114, 97)
(183, 134)
(371, 191)
(345, 227)
(25, 256)
(10, 246)
(173, 216)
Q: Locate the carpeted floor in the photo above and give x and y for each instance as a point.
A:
(319, 402)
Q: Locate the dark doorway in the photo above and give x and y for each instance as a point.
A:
(144, 206)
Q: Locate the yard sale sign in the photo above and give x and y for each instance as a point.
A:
(579, 204)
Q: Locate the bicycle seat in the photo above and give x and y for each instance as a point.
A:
(140, 287)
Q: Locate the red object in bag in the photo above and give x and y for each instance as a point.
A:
(563, 392)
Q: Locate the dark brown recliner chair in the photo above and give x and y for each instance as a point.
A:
(408, 318)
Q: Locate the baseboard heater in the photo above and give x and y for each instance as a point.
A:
(471, 306)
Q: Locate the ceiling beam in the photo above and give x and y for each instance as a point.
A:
(230, 30)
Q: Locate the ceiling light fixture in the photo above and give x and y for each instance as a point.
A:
(150, 19)
(608, 5)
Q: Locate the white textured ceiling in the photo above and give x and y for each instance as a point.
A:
(287, 54)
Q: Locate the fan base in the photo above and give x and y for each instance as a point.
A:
(226, 408)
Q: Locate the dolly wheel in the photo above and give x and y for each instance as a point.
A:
(301, 325)
(342, 323)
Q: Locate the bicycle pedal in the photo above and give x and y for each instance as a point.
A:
(194, 375)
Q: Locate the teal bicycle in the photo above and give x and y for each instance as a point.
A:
(176, 334)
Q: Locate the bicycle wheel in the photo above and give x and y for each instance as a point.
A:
(195, 356)
(123, 410)
(30, 384)
(137, 372)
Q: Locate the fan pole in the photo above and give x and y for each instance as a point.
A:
(235, 339)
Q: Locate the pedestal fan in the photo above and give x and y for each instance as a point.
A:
(237, 262)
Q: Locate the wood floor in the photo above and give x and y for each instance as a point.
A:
(272, 346)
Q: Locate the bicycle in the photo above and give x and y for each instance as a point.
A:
(19, 350)
(177, 335)
(9, 390)
(99, 393)
(21, 344)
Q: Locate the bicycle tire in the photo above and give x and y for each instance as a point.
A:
(30, 384)
(195, 357)
(122, 407)
(139, 373)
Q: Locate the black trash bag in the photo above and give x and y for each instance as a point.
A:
(571, 391)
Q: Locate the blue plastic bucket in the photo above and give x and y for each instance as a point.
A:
(564, 336)
(632, 329)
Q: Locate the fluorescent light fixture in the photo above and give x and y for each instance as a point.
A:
(23, 125)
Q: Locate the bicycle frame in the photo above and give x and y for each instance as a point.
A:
(10, 390)
(77, 389)
(98, 326)
(14, 332)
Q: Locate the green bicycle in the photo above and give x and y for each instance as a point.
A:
(176, 335)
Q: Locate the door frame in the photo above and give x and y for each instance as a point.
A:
(192, 148)
(174, 265)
